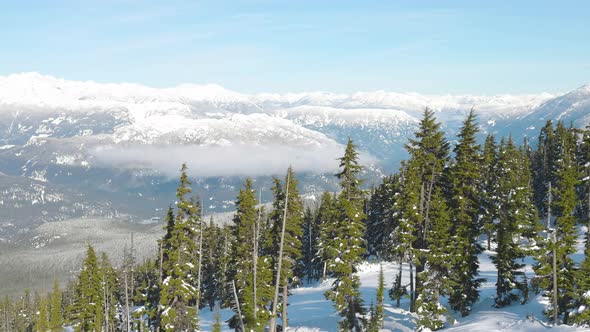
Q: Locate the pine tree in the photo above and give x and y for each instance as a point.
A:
(42, 320)
(488, 201)
(419, 178)
(465, 207)
(178, 291)
(326, 218)
(347, 247)
(87, 311)
(147, 293)
(241, 264)
(560, 244)
(381, 217)
(581, 314)
(379, 307)
(435, 279)
(292, 236)
(56, 317)
(212, 278)
(516, 227)
(109, 286)
(309, 245)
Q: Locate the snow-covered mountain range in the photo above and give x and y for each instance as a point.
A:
(115, 143)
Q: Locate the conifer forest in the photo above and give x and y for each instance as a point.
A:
(451, 202)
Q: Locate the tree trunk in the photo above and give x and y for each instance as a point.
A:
(198, 305)
(555, 305)
(285, 300)
(255, 262)
(399, 282)
(238, 306)
(412, 295)
(273, 317)
(127, 304)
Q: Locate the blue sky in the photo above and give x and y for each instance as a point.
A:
(474, 47)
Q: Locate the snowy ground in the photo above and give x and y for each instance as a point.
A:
(310, 311)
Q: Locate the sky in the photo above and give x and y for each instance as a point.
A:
(251, 46)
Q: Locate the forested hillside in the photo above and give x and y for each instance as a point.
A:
(453, 209)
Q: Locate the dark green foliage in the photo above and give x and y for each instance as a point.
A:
(311, 264)
(56, 319)
(488, 190)
(563, 208)
(178, 291)
(439, 258)
(465, 181)
(212, 253)
(346, 247)
(381, 216)
(87, 312)
(516, 228)
(326, 219)
(241, 265)
(147, 292)
(379, 307)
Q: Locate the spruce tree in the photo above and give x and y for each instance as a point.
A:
(178, 291)
(562, 236)
(42, 319)
(326, 218)
(439, 257)
(87, 311)
(347, 246)
(465, 181)
(581, 314)
(56, 317)
(420, 176)
(109, 285)
(292, 237)
(381, 217)
(242, 268)
(488, 201)
(379, 306)
(212, 250)
(516, 226)
(309, 245)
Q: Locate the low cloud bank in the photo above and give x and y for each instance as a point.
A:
(236, 160)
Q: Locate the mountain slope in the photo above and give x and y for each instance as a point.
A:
(127, 140)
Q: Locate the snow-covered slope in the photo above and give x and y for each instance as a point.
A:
(116, 136)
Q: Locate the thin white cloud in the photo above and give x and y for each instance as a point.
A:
(249, 160)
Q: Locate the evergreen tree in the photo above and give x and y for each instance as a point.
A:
(56, 317)
(379, 307)
(347, 246)
(178, 291)
(309, 245)
(516, 227)
(581, 314)
(381, 217)
(420, 176)
(435, 279)
(109, 286)
(466, 177)
(292, 236)
(87, 311)
(326, 219)
(147, 293)
(42, 319)
(255, 315)
(212, 278)
(555, 266)
(488, 201)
